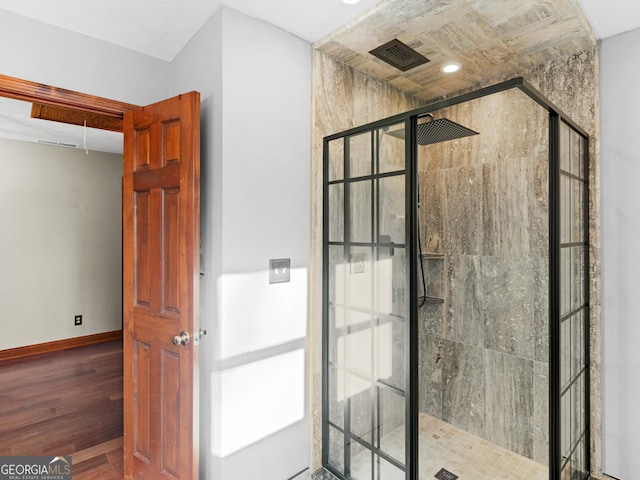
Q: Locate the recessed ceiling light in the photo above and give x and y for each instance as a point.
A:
(451, 67)
(350, 2)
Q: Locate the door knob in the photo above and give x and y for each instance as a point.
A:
(181, 339)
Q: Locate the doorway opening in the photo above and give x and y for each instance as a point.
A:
(74, 209)
(161, 230)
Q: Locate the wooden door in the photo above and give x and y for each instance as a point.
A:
(161, 221)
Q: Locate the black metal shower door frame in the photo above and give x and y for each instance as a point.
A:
(410, 119)
(559, 316)
(410, 247)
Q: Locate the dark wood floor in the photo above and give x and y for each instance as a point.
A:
(66, 403)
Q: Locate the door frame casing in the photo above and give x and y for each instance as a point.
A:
(18, 89)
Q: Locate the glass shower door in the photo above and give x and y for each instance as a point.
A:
(574, 305)
(364, 305)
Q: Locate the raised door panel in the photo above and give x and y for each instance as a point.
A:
(142, 215)
(170, 142)
(170, 427)
(171, 252)
(142, 401)
(142, 149)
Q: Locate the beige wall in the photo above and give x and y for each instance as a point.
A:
(61, 243)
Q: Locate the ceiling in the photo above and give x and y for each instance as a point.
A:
(491, 40)
(611, 17)
(161, 28)
(16, 124)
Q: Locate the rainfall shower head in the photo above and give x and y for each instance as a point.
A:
(435, 131)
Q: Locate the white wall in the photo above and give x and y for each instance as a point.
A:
(255, 81)
(43, 53)
(620, 150)
(199, 67)
(60, 250)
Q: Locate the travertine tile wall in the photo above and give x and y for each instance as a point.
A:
(572, 83)
(485, 210)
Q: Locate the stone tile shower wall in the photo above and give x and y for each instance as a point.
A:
(484, 232)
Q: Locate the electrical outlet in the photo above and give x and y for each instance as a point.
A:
(77, 320)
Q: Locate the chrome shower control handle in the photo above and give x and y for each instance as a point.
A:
(181, 339)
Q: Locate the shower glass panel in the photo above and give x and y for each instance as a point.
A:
(365, 309)
(574, 308)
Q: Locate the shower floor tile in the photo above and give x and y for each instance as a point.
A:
(469, 457)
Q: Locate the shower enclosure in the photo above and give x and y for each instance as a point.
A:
(455, 292)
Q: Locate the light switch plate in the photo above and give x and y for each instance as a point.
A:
(279, 270)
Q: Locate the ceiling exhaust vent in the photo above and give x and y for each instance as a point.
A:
(58, 144)
(399, 55)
